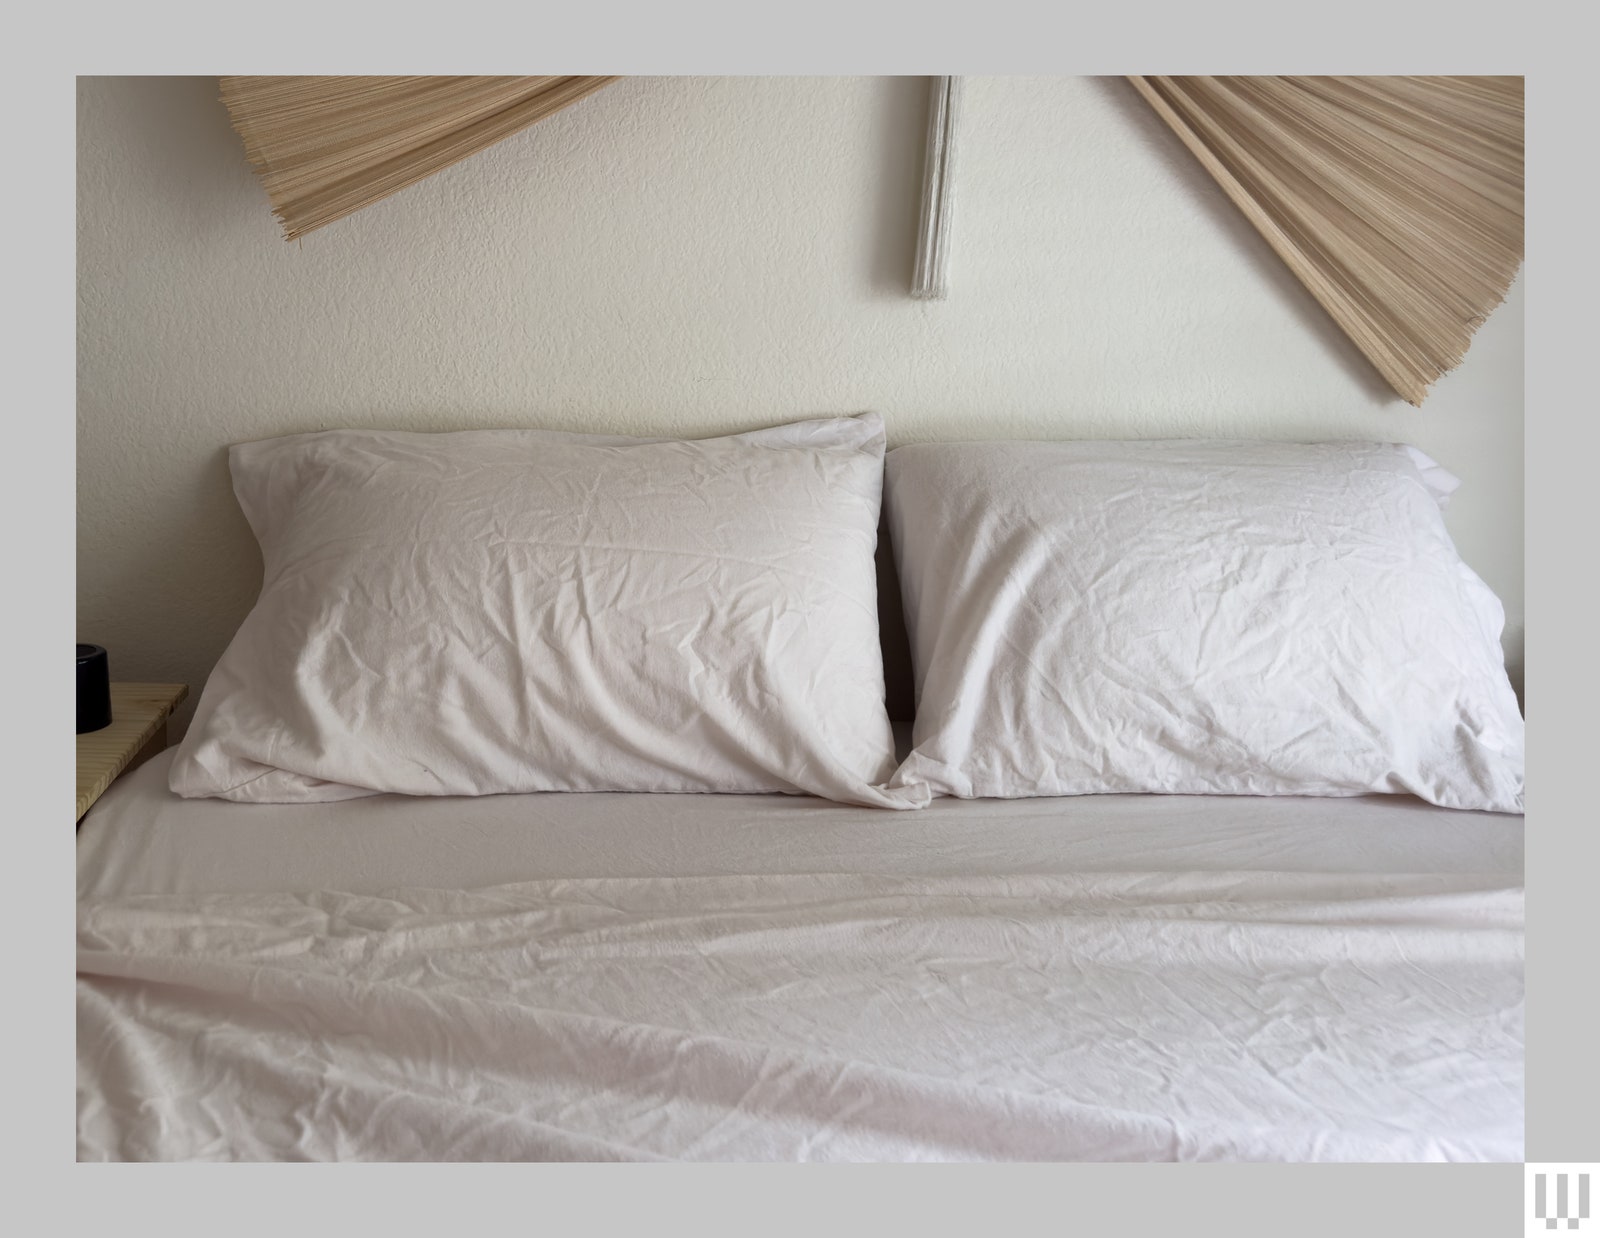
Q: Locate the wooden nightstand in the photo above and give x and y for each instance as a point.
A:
(137, 732)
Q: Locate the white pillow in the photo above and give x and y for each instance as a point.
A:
(1237, 618)
(519, 610)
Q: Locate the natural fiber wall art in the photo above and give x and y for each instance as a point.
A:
(325, 147)
(1397, 201)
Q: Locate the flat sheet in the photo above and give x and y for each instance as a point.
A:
(769, 977)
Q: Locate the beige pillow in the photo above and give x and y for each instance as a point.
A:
(1197, 617)
(520, 610)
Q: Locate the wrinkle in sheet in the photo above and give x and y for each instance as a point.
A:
(1124, 1016)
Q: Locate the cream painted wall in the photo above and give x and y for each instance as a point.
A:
(688, 256)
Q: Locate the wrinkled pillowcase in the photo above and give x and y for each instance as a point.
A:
(517, 610)
(1204, 617)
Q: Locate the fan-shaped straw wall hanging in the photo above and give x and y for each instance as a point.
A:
(1397, 201)
(325, 147)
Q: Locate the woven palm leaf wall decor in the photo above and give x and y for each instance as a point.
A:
(325, 147)
(1397, 201)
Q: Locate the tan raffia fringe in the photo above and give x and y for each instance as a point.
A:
(325, 147)
(1397, 201)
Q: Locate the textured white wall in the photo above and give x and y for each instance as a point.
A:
(689, 256)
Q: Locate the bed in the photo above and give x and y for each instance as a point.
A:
(1057, 971)
(635, 977)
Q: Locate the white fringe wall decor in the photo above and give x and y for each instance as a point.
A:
(930, 280)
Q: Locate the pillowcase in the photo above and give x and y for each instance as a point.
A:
(521, 610)
(1196, 617)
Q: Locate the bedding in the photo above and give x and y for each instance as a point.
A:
(498, 611)
(754, 977)
(1196, 617)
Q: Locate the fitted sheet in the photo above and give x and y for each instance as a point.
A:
(770, 977)
(142, 839)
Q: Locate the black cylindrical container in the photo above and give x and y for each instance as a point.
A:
(94, 689)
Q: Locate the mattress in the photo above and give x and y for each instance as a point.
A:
(775, 977)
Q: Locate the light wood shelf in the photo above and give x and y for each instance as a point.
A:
(138, 731)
